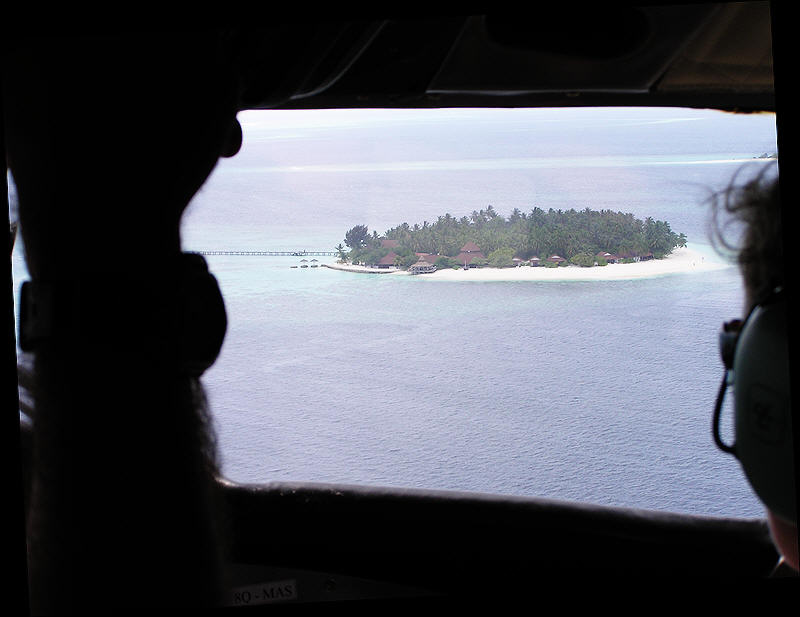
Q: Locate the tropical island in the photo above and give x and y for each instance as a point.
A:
(485, 239)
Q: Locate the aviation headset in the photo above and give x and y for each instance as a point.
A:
(755, 353)
(180, 309)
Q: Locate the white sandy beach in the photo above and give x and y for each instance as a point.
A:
(682, 260)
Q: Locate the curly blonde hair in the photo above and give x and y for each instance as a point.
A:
(756, 206)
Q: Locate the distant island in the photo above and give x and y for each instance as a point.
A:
(552, 238)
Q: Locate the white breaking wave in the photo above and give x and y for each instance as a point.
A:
(494, 164)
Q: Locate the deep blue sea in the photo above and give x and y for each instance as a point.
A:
(596, 391)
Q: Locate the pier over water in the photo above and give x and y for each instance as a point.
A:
(270, 253)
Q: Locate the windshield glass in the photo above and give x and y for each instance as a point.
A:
(504, 370)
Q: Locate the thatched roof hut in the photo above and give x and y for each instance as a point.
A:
(422, 266)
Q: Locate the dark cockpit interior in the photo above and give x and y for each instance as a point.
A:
(696, 55)
(141, 529)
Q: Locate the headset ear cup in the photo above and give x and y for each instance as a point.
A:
(204, 320)
(763, 418)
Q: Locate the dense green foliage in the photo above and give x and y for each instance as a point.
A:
(501, 258)
(576, 235)
(357, 237)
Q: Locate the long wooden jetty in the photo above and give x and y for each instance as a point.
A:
(271, 253)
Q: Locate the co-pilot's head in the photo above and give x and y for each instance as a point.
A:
(755, 354)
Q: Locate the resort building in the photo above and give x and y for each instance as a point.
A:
(422, 266)
(430, 257)
(469, 252)
(612, 259)
(388, 261)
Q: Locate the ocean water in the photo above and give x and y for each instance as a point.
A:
(598, 391)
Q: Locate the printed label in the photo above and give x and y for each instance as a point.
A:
(264, 593)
